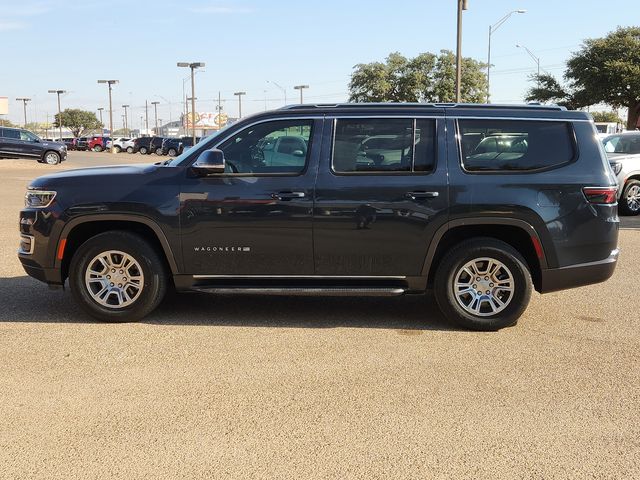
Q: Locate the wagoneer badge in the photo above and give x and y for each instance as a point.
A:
(222, 249)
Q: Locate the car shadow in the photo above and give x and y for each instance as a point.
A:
(23, 299)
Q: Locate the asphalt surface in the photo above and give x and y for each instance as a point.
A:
(259, 387)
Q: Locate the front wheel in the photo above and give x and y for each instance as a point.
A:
(172, 152)
(97, 148)
(143, 150)
(158, 151)
(117, 148)
(117, 277)
(630, 199)
(52, 158)
(129, 149)
(483, 284)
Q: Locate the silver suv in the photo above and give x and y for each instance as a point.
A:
(623, 150)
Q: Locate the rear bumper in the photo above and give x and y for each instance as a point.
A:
(572, 276)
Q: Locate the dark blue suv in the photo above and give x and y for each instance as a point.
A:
(479, 203)
(20, 143)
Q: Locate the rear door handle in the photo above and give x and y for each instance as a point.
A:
(418, 195)
(287, 195)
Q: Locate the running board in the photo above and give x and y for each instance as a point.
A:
(301, 291)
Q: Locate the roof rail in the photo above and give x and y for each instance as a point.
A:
(536, 106)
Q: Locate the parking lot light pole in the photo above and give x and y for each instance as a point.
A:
(100, 109)
(59, 92)
(155, 113)
(492, 29)
(239, 95)
(24, 105)
(301, 88)
(462, 5)
(110, 83)
(535, 59)
(126, 126)
(192, 66)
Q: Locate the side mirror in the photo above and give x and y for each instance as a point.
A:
(209, 162)
(36, 140)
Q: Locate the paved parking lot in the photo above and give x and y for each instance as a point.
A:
(259, 387)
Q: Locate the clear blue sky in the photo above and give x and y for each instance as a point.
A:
(65, 44)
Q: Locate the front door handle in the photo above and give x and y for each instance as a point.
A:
(287, 195)
(418, 195)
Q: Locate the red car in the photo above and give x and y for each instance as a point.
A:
(97, 143)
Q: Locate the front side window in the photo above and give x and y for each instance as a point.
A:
(517, 145)
(27, 136)
(377, 145)
(277, 147)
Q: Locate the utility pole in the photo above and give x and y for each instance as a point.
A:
(239, 95)
(192, 66)
(155, 108)
(301, 88)
(126, 127)
(110, 83)
(24, 104)
(58, 92)
(462, 5)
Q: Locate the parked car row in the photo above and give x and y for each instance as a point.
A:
(162, 145)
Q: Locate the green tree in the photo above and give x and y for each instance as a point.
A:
(609, 116)
(6, 123)
(425, 78)
(605, 70)
(78, 121)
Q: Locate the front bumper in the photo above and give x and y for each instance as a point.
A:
(572, 276)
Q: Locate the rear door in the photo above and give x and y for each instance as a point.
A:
(377, 208)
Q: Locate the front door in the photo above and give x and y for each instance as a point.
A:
(380, 196)
(256, 218)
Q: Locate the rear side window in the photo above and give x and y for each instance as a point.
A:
(10, 133)
(381, 145)
(515, 145)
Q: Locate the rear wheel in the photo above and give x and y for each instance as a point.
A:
(483, 284)
(630, 199)
(172, 152)
(129, 149)
(51, 158)
(143, 150)
(117, 277)
(97, 148)
(158, 151)
(117, 148)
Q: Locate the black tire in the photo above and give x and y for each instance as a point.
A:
(143, 150)
(629, 203)
(158, 151)
(477, 249)
(51, 158)
(154, 284)
(172, 152)
(129, 149)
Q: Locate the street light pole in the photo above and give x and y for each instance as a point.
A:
(192, 66)
(462, 5)
(301, 88)
(110, 83)
(155, 108)
(126, 127)
(24, 104)
(58, 92)
(535, 59)
(239, 95)
(492, 29)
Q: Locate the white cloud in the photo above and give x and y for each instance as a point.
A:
(220, 9)
(6, 26)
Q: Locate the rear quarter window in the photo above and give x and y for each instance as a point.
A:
(515, 145)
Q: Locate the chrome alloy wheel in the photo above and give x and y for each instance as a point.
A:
(114, 279)
(51, 158)
(633, 198)
(484, 287)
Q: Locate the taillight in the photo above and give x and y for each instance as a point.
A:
(602, 195)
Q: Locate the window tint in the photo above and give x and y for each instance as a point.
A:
(27, 136)
(384, 145)
(622, 144)
(271, 147)
(514, 144)
(10, 133)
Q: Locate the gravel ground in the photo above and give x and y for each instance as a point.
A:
(259, 387)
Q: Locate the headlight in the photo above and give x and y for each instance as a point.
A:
(38, 198)
(617, 167)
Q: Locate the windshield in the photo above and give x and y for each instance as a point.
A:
(204, 144)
